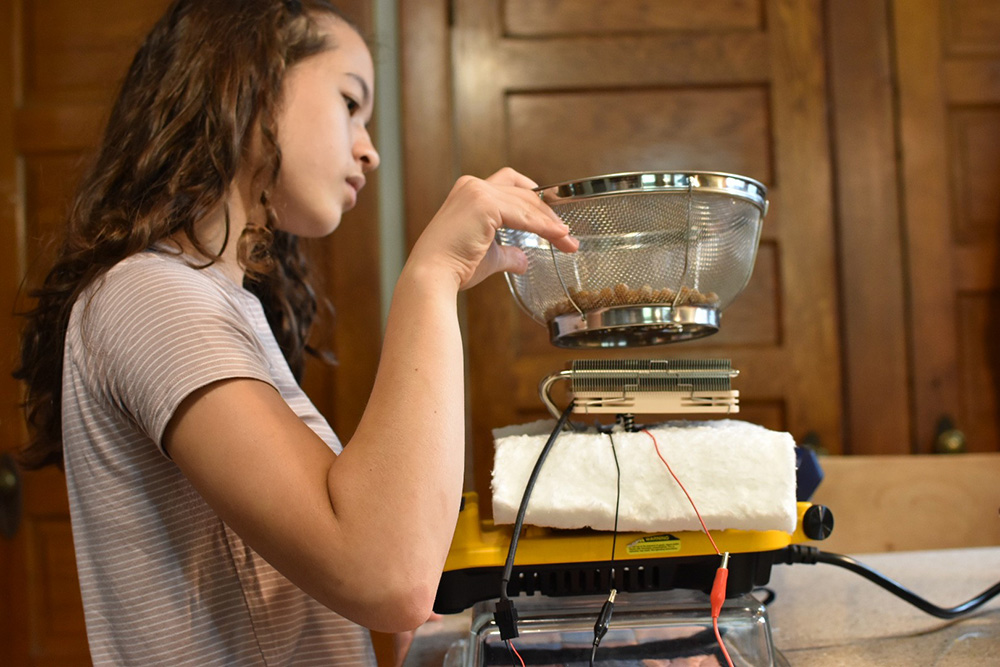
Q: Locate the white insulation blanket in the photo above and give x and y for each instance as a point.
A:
(739, 475)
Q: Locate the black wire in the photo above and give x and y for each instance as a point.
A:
(618, 499)
(604, 618)
(768, 594)
(519, 522)
(798, 553)
(510, 651)
(888, 584)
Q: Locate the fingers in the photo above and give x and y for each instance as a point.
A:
(539, 218)
(523, 187)
(520, 207)
(508, 176)
(462, 235)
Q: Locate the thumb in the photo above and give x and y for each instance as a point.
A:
(498, 258)
(509, 258)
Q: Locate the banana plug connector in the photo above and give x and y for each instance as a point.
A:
(718, 596)
(604, 618)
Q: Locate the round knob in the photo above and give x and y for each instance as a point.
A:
(951, 441)
(10, 496)
(8, 482)
(817, 522)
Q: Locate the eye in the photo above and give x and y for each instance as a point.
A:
(352, 105)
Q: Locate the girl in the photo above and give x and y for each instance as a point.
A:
(216, 518)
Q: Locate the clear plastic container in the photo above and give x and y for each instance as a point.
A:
(672, 625)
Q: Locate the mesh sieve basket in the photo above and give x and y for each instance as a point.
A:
(661, 255)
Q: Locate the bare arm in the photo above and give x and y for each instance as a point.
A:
(367, 533)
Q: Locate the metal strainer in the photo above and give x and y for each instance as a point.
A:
(661, 255)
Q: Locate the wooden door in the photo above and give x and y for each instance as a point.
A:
(948, 56)
(564, 90)
(63, 67)
(59, 68)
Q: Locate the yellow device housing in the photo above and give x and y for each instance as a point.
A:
(575, 562)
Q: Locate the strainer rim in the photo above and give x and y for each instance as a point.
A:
(633, 182)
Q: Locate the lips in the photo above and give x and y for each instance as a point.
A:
(356, 182)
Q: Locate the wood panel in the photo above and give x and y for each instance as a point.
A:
(971, 32)
(78, 51)
(13, 622)
(974, 153)
(47, 178)
(425, 79)
(970, 27)
(949, 123)
(535, 18)
(900, 503)
(926, 208)
(591, 135)
(979, 359)
(871, 269)
(809, 296)
(972, 81)
(57, 625)
(697, 58)
(70, 58)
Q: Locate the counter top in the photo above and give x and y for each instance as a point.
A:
(826, 616)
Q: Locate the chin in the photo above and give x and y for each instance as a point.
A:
(313, 226)
(319, 232)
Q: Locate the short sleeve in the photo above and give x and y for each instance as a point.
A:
(152, 331)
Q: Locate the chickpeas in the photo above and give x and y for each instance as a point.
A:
(622, 295)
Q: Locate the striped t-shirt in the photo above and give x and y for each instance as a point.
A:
(164, 580)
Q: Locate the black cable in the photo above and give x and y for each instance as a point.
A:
(798, 553)
(523, 508)
(767, 593)
(618, 499)
(604, 618)
(505, 614)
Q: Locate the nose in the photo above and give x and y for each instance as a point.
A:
(365, 153)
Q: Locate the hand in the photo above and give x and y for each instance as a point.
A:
(461, 236)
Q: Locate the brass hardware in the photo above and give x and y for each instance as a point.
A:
(949, 440)
(10, 496)
(8, 482)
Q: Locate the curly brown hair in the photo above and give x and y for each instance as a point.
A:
(206, 81)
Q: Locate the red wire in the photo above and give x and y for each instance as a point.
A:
(719, 587)
(680, 484)
(514, 648)
(718, 638)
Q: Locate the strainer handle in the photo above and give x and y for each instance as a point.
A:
(546, 384)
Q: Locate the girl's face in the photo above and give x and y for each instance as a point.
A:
(322, 131)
